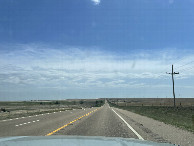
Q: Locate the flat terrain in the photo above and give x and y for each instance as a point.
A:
(152, 101)
(96, 121)
(15, 109)
(180, 116)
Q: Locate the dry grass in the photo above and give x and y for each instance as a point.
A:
(181, 116)
(17, 109)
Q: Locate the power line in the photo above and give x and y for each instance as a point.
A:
(184, 65)
(179, 60)
(188, 68)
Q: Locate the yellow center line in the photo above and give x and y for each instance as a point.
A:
(69, 123)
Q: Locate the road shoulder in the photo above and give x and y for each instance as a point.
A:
(153, 130)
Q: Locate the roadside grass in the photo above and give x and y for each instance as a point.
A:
(182, 117)
(28, 113)
(16, 109)
(33, 103)
(81, 102)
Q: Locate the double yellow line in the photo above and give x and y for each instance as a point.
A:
(70, 123)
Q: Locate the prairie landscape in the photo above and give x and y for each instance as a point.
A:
(14, 109)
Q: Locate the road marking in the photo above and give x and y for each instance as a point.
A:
(139, 136)
(68, 124)
(26, 123)
(25, 117)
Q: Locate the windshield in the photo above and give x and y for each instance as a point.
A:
(111, 68)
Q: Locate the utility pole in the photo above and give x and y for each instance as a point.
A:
(173, 73)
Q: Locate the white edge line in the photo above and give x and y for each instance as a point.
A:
(139, 136)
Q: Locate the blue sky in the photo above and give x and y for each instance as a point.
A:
(95, 48)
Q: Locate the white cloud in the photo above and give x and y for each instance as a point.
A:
(85, 64)
(96, 2)
(39, 66)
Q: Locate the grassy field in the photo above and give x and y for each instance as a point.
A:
(152, 101)
(182, 117)
(15, 109)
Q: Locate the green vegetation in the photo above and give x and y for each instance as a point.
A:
(31, 103)
(15, 109)
(24, 114)
(57, 102)
(99, 103)
(182, 117)
(81, 102)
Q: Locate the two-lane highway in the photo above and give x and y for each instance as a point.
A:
(101, 121)
(98, 121)
(39, 124)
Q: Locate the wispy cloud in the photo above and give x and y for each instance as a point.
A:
(40, 66)
(96, 2)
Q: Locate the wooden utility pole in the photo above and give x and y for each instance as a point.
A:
(173, 83)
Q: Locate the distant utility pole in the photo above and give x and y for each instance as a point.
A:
(173, 83)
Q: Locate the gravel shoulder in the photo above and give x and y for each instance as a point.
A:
(157, 131)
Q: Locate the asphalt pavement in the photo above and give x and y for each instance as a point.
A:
(102, 123)
(39, 125)
(97, 121)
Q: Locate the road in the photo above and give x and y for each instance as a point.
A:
(101, 121)
(97, 121)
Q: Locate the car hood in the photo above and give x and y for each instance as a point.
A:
(74, 141)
